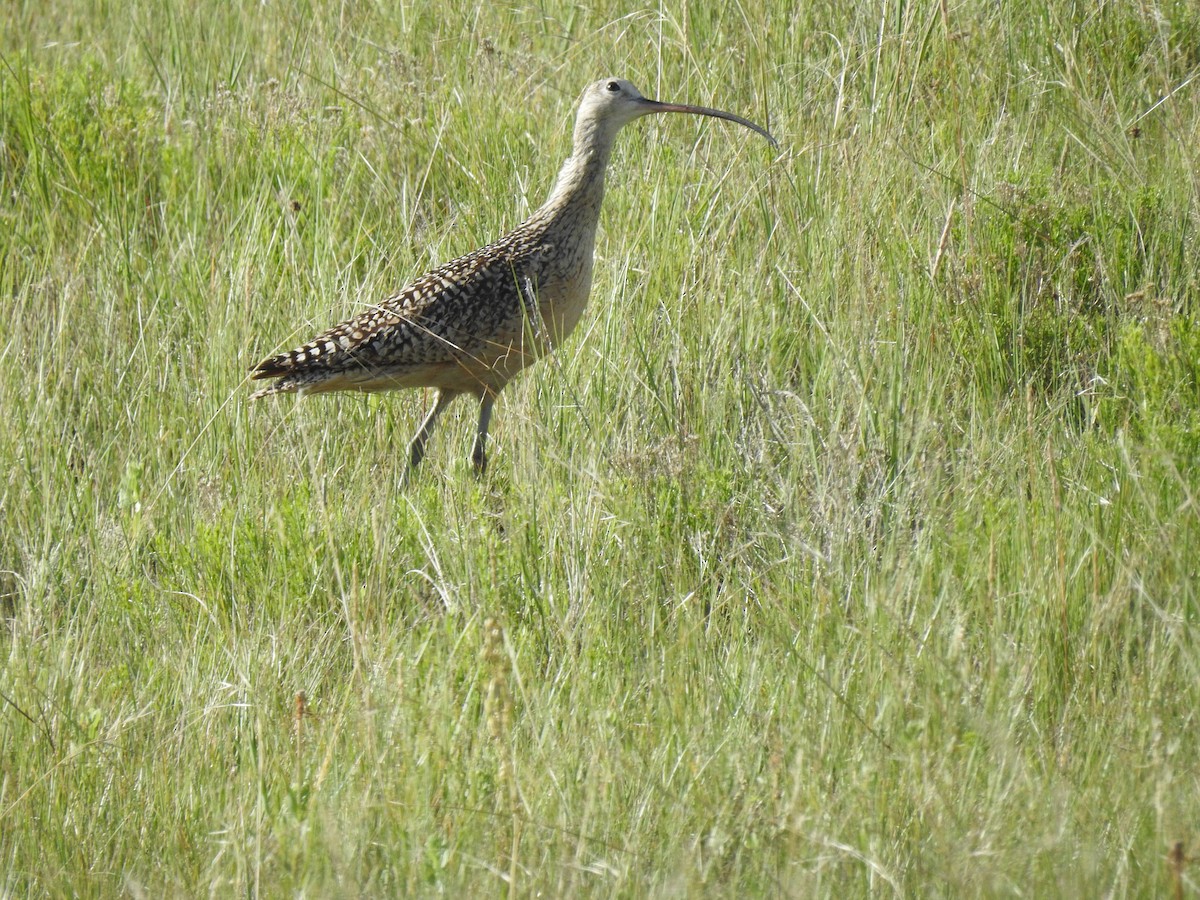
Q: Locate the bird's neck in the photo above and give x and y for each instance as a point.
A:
(579, 187)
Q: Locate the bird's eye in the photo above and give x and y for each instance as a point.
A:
(613, 87)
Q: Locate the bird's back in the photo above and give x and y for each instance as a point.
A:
(469, 324)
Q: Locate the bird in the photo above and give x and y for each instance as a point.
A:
(470, 325)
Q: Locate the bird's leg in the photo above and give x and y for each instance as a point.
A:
(416, 449)
(479, 454)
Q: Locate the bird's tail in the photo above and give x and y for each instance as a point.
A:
(283, 386)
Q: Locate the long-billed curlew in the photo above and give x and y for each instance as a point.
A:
(470, 325)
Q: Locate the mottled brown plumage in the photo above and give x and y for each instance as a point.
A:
(471, 324)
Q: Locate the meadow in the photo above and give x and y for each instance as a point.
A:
(850, 547)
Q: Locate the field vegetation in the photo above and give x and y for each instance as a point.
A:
(850, 547)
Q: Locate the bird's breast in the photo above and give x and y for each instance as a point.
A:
(564, 285)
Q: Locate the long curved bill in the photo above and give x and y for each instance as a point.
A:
(656, 106)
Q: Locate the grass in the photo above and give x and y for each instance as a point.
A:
(847, 549)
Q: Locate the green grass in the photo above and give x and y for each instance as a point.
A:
(849, 548)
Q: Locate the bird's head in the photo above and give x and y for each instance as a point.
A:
(610, 103)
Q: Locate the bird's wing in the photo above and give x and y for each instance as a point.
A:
(451, 313)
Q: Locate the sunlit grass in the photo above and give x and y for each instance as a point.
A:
(847, 549)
